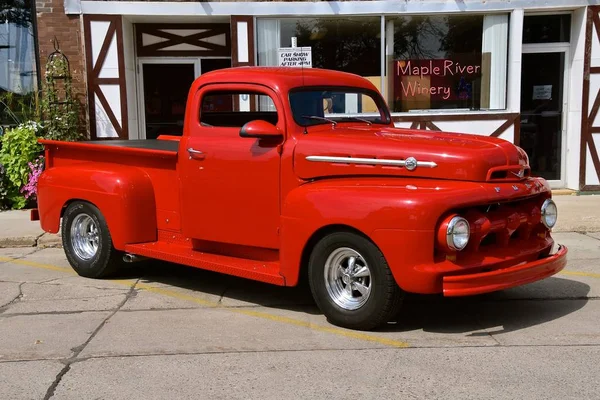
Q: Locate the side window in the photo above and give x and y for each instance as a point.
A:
(234, 109)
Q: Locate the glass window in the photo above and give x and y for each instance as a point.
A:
(344, 44)
(447, 62)
(229, 109)
(314, 106)
(547, 28)
(18, 72)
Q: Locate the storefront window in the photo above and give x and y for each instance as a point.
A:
(18, 73)
(437, 62)
(344, 44)
(447, 62)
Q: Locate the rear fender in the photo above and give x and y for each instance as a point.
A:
(123, 194)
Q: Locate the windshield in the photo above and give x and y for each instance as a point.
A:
(330, 105)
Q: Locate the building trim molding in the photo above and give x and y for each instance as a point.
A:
(428, 122)
(114, 33)
(294, 8)
(588, 115)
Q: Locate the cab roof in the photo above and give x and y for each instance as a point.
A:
(284, 78)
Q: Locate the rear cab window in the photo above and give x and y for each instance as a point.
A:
(234, 109)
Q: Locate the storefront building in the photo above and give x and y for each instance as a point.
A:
(524, 71)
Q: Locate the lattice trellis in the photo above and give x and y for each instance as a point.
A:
(61, 109)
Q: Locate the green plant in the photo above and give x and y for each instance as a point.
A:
(17, 108)
(19, 148)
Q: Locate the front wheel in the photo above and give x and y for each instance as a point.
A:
(352, 283)
(87, 242)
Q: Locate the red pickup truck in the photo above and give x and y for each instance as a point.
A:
(286, 173)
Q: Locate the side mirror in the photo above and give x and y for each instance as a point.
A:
(260, 129)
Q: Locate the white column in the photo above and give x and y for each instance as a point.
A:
(242, 42)
(495, 43)
(515, 49)
(574, 101)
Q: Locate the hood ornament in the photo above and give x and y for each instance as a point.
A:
(497, 189)
(515, 188)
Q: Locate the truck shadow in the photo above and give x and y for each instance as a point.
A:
(500, 312)
(228, 290)
(496, 313)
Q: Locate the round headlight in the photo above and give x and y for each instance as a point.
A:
(549, 213)
(457, 234)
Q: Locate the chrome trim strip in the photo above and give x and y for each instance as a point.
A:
(368, 161)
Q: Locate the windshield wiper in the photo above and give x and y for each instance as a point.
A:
(359, 119)
(332, 122)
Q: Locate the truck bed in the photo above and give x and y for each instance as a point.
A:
(148, 144)
(106, 149)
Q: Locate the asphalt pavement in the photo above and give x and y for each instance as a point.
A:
(162, 331)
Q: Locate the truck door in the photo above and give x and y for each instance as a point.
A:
(230, 184)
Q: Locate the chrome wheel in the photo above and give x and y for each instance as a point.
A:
(85, 237)
(347, 278)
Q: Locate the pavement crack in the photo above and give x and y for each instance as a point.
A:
(36, 243)
(17, 298)
(478, 322)
(77, 350)
(8, 260)
(588, 235)
(222, 295)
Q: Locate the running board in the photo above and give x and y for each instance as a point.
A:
(263, 271)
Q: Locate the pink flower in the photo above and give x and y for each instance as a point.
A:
(36, 167)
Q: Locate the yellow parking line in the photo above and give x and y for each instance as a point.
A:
(577, 273)
(37, 265)
(252, 313)
(277, 318)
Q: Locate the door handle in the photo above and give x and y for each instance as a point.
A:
(196, 154)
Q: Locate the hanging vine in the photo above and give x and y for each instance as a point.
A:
(61, 109)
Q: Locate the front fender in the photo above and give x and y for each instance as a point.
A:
(123, 194)
(399, 215)
(362, 205)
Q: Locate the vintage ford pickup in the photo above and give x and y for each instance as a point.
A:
(284, 174)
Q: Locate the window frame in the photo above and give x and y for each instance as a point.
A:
(240, 88)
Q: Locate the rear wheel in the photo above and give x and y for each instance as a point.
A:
(87, 242)
(352, 283)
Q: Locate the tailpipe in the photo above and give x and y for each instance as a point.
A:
(133, 258)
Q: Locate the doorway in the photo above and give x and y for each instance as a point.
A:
(544, 72)
(163, 86)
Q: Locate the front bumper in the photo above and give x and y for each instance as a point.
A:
(484, 282)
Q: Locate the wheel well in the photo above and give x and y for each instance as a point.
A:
(315, 238)
(68, 202)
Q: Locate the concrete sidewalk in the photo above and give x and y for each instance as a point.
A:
(575, 214)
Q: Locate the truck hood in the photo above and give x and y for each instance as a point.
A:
(381, 151)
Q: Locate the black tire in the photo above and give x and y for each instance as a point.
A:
(385, 298)
(105, 260)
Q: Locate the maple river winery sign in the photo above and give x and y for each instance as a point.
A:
(423, 83)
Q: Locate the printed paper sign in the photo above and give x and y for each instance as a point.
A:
(295, 57)
(542, 92)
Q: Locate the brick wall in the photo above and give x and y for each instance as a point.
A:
(52, 22)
